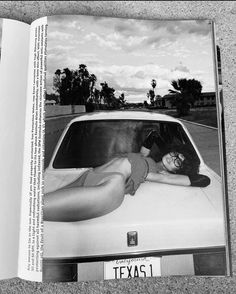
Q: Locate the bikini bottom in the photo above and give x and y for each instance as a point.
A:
(90, 178)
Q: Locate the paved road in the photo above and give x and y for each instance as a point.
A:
(206, 139)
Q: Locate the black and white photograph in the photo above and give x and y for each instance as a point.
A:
(134, 167)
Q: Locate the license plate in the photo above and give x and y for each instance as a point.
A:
(132, 268)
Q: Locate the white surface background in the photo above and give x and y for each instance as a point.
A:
(13, 75)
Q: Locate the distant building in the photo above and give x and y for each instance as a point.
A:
(159, 101)
(165, 101)
(205, 99)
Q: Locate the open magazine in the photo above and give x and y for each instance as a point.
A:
(113, 149)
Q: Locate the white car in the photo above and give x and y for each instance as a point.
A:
(161, 230)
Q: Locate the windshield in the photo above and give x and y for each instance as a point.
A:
(93, 143)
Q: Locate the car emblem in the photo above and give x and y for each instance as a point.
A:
(132, 238)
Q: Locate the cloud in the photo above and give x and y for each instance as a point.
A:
(102, 41)
(72, 60)
(128, 35)
(165, 33)
(74, 25)
(140, 74)
(197, 27)
(134, 79)
(69, 21)
(60, 36)
(130, 27)
(161, 27)
(128, 53)
(167, 36)
(135, 98)
(181, 67)
(115, 41)
(58, 49)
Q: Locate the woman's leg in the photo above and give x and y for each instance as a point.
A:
(80, 203)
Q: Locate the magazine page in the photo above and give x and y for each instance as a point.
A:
(133, 187)
(14, 50)
(31, 242)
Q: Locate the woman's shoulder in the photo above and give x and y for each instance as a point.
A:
(152, 165)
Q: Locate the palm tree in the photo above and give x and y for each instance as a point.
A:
(97, 97)
(153, 84)
(66, 87)
(83, 72)
(121, 99)
(57, 81)
(84, 82)
(151, 96)
(92, 79)
(152, 92)
(186, 93)
(108, 95)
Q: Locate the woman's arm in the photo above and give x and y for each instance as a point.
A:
(181, 180)
(199, 180)
(167, 178)
(151, 138)
(145, 151)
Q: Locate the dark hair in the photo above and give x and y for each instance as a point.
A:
(190, 165)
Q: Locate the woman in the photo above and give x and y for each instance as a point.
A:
(100, 190)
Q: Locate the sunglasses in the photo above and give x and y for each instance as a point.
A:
(178, 161)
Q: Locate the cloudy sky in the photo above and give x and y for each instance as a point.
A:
(128, 53)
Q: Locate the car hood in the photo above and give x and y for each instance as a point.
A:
(165, 217)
